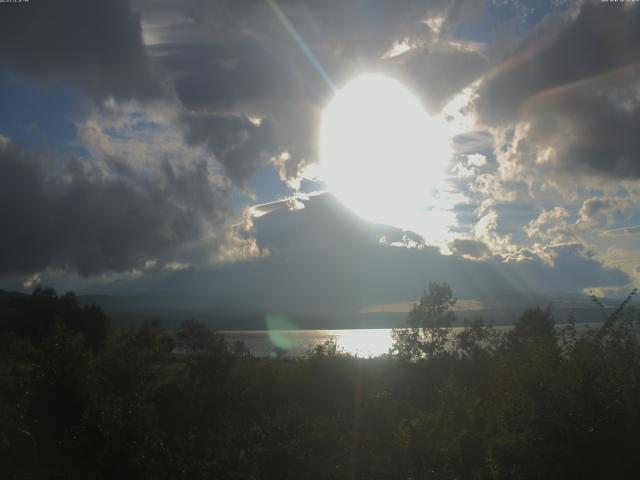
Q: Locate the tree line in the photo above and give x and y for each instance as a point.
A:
(79, 399)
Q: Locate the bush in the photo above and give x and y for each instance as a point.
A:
(536, 402)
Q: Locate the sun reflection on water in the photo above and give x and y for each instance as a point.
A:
(292, 342)
(371, 342)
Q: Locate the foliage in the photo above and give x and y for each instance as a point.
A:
(329, 348)
(35, 316)
(429, 324)
(534, 402)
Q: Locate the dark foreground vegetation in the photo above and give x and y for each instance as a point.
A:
(80, 401)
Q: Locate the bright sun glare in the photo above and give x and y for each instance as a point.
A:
(381, 153)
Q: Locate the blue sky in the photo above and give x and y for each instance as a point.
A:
(37, 116)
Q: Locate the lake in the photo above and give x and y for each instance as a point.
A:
(363, 342)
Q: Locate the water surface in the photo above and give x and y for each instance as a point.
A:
(362, 342)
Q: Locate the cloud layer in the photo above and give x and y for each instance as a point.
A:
(571, 92)
(95, 46)
(182, 105)
(326, 261)
(103, 217)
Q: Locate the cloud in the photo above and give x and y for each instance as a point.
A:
(237, 60)
(236, 142)
(568, 98)
(438, 71)
(539, 64)
(487, 231)
(100, 217)
(598, 211)
(219, 63)
(469, 168)
(491, 185)
(238, 93)
(233, 85)
(551, 226)
(575, 259)
(467, 248)
(622, 231)
(325, 261)
(94, 46)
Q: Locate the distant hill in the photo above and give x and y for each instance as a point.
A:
(7, 296)
(171, 309)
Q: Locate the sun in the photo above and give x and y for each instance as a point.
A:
(381, 153)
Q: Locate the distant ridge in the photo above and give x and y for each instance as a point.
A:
(7, 296)
(172, 308)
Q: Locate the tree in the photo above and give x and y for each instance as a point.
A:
(535, 330)
(429, 324)
(196, 338)
(35, 316)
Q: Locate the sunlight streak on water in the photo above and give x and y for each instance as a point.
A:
(361, 342)
(371, 342)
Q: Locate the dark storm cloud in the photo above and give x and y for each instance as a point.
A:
(96, 46)
(237, 58)
(575, 82)
(225, 73)
(603, 138)
(71, 215)
(236, 142)
(238, 75)
(242, 88)
(230, 58)
(562, 50)
(436, 73)
(364, 28)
